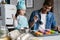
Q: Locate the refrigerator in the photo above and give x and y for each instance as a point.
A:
(7, 13)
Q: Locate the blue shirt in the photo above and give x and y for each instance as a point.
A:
(50, 20)
(22, 22)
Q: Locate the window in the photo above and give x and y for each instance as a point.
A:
(8, 1)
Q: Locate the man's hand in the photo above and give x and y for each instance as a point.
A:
(59, 28)
(35, 18)
(56, 28)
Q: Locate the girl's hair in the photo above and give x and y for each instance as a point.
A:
(17, 13)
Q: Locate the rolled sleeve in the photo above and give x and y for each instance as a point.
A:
(32, 17)
(53, 21)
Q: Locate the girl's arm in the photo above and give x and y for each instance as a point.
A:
(15, 20)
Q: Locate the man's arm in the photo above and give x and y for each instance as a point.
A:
(53, 22)
(33, 19)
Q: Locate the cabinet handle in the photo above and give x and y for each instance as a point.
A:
(8, 18)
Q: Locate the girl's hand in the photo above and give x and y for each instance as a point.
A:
(12, 16)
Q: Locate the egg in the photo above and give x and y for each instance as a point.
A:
(48, 33)
(38, 33)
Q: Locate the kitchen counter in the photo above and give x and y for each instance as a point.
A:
(53, 37)
(5, 38)
(29, 36)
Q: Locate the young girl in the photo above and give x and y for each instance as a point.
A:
(20, 15)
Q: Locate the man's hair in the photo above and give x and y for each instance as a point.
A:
(48, 3)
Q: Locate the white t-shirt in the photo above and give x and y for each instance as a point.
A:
(43, 19)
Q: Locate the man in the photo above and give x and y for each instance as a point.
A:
(43, 19)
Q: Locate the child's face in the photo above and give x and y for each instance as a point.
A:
(22, 12)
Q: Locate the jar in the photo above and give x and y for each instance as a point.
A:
(3, 31)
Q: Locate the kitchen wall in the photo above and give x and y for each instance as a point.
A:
(37, 5)
(57, 11)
